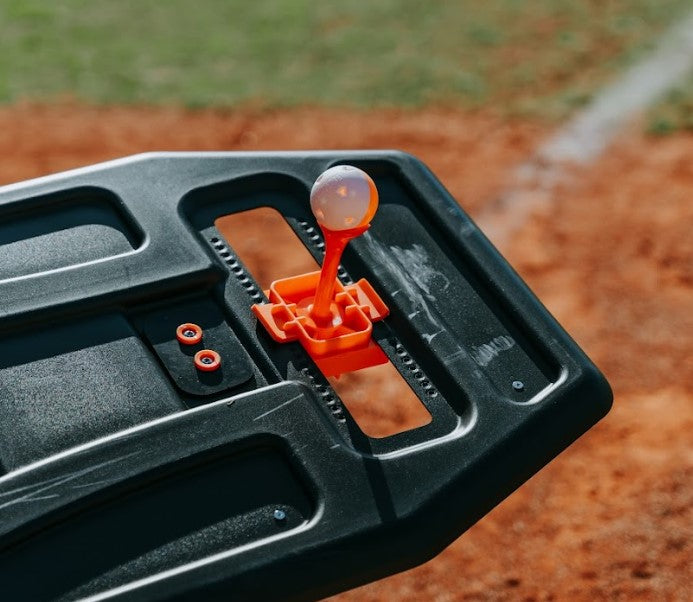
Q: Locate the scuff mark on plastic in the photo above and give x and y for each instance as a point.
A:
(52, 484)
(416, 262)
(429, 337)
(414, 274)
(279, 407)
(484, 354)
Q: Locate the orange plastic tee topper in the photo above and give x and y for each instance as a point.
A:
(332, 321)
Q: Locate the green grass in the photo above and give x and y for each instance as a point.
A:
(535, 57)
(675, 112)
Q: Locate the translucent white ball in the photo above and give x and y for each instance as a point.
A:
(344, 197)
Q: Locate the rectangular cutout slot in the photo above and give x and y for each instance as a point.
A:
(266, 244)
(378, 398)
(380, 401)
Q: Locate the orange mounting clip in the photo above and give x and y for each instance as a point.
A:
(332, 321)
(342, 344)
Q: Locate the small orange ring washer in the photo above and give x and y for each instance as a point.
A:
(207, 360)
(189, 334)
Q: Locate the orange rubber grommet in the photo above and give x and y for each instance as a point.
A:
(207, 360)
(189, 334)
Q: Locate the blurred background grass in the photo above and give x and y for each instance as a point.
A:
(537, 58)
(675, 112)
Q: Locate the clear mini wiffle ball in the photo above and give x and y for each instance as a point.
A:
(344, 197)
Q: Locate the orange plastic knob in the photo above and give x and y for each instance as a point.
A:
(189, 334)
(207, 360)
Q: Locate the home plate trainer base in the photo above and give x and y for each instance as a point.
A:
(168, 431)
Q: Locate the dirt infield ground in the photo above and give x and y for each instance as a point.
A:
(611, 518)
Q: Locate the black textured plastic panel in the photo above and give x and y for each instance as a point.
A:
(64, 385)
(254, 483)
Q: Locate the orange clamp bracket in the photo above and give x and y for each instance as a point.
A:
(332, 321)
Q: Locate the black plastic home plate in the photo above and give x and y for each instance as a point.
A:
(127, 474)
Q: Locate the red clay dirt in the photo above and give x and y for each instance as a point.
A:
(612, 258)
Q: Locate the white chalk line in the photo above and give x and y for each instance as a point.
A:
(586, 136)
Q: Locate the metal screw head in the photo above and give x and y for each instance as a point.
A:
(189, 333)
(518, 385)
(206, 360)
(279, 514)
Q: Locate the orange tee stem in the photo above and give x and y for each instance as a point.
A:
(335, 243)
